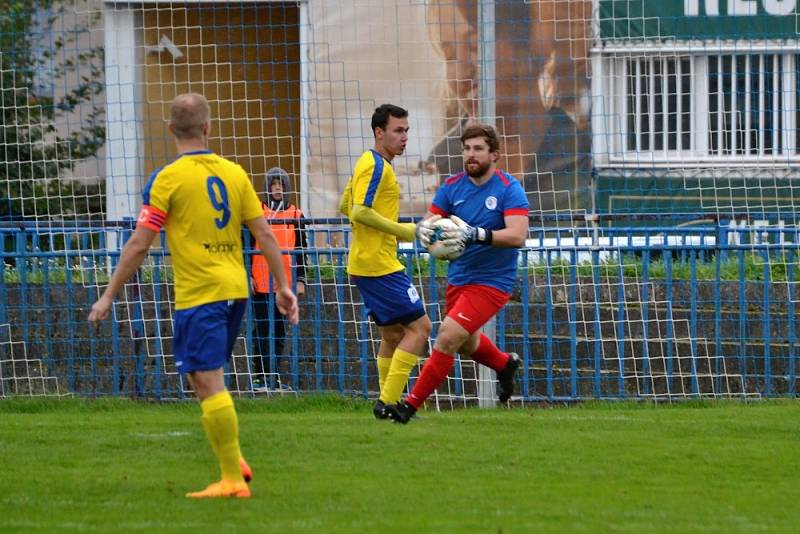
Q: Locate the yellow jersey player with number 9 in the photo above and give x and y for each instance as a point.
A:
(203, 233)
(201, 200)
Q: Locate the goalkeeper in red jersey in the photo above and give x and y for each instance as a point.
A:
(201, 200)
(491, 211)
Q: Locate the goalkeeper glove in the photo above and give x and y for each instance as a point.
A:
(425, 230)
(471, 234)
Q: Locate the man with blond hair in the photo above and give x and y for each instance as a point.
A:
(201, 200)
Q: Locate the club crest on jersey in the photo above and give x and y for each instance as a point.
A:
(413, 296)
(491, 203)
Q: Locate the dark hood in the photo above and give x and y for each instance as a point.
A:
(276, 173)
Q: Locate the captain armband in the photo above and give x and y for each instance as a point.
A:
(152, 218)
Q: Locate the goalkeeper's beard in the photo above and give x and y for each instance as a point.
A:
(479, 171)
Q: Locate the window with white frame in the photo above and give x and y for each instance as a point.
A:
(702, 107)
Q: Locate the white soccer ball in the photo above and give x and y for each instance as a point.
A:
(438, 249)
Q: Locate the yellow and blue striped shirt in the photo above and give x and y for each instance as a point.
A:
(374, 185)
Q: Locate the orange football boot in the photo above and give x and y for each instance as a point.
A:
(223, 488)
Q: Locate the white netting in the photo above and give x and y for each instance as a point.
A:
(612, 114)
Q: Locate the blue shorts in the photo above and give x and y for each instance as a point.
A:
(203, 336)
(390, 299)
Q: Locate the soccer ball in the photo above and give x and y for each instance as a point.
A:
(438, 249)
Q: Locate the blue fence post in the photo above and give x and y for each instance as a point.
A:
(293, 329)
(598, 337)
(249, 344)
(766, 325)
(36, 259)
(158, 373)
(525, 309)
(693, 318)
(93, 354)
(645, 316)
(89, 278)
(502, 329)
(791, 326)
(341, 345)
(138, 355)
(573, 323)
(742, 318)
(272, 357)
(318, 329)
(668, 364)
(548, 342)
(718, 356)
(70, 359)
(117, 373)
(137, 334)
(48, 357)
(23, 269)
(294, 354)
(621, 308)
(3, 289)
(722, 241)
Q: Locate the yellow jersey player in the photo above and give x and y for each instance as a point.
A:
(371, 200)
(201, 200)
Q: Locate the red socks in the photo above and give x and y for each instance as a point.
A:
(433, 374)
(439, 364)
(489, 355)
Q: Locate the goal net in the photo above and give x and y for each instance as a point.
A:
(656, 143)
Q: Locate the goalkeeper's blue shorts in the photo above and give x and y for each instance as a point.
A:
(390, 299)
(203, 336)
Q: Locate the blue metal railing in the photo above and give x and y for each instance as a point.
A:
(584, 326)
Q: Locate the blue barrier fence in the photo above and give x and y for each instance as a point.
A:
(598, 313)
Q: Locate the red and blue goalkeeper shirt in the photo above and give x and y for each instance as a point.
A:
(484, 205)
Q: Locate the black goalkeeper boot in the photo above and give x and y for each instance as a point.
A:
(505, 378)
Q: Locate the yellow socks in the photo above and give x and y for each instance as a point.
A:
(222, 428)
(383, 370)
(397, 377)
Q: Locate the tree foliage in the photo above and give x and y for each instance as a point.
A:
(45, 133)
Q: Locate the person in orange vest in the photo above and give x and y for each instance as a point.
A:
(286, 224)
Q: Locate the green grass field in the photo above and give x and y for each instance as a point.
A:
(324, 465)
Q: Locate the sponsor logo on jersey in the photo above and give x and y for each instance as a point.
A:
(220, 247)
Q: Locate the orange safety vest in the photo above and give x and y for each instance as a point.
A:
(285, 234)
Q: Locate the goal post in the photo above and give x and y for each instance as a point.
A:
(487, 397)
